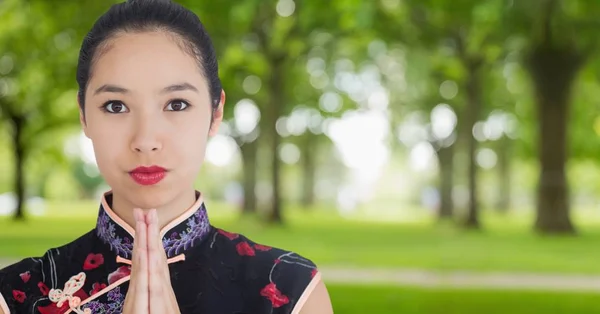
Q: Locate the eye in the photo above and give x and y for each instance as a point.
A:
(177, 105)
(115, 107)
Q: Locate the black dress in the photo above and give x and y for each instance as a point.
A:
(212, 271)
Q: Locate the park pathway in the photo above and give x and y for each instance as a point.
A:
(454, 279)
(463, 279)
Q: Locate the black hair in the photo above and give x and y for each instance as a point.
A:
(150, 15)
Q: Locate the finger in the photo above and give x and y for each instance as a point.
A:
(141, 261)
(157, 263)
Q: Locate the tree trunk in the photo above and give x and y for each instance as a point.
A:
(19, 150)
(276, 85)
(249, 151)
(309, 152)
(446, 164)
(504, 152)
(553, 70)
(473, 109)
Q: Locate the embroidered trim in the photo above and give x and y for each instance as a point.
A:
(180, 235)
(73, 285)
(106, 230)
(115, 303)
(197, 228)
(307, 293)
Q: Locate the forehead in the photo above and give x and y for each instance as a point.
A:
(144, 61)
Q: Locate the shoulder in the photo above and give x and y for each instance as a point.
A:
(279, 277)
(31, 278)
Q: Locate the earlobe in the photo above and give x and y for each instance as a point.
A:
(223, 96)
(83, 123)
(82, 118)
(217, 116)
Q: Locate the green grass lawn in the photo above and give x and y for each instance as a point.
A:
(507, 244)
(349, 299)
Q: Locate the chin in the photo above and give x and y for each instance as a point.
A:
(150, 198)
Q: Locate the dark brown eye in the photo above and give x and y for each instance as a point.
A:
(177, 105)
(115, 107)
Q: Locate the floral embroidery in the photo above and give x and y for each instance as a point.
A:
(106, 230)
(67, 294)
(19, 296)
(271, 292)
(183, 236)
(25, 276)
(229, 235)
(197, 227)
(97, 287)
(93, 261)
(244, 249)
(114, 305)
(43, 288)
(121, 272)
(313, 273)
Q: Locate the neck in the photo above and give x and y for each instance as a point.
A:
(167, 212)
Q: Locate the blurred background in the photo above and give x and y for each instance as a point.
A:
(431, 156)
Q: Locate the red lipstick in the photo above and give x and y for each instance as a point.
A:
(148, 175)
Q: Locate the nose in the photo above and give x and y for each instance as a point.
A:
(145, 136)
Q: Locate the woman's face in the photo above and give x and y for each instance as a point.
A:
(147, 104)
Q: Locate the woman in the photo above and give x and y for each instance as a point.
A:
(149, 97)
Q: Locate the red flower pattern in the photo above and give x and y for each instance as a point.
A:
(244, 249)
(93, 261)
(19, 296)
(271, 292)
(229, 235)
(263, 248)
(121, 272)
(25, 276)
(43, 288)
(97, 287)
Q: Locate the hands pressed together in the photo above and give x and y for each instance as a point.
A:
(150, 289)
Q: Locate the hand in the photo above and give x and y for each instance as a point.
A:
(162, 297)
(136, 300)
(150, 289)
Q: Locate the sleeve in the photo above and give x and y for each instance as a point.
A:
(293, 280)
(4, 286)
(17, 286)
(3, 301)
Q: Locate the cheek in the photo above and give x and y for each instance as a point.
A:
(192, 148)
(109, 143)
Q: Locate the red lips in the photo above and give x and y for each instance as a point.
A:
(148, 175)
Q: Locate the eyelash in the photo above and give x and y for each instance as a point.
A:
(177, 100)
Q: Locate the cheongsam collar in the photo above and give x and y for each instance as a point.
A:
(181, 234)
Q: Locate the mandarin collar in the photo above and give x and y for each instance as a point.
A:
(181, 234)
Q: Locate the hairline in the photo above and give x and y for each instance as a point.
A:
(183, 43)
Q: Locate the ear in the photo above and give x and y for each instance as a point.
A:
(82, 119)
(217, 116)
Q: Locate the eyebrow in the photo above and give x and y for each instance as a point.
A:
(109, 88)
